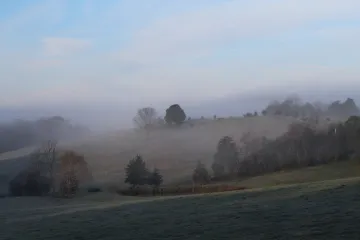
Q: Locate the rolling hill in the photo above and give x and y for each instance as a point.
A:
(174, 151)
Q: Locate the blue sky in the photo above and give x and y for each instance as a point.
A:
(157, 52)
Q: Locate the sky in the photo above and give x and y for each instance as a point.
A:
(141, 52)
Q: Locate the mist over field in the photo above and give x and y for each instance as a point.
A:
(173, 151)
(154, 119)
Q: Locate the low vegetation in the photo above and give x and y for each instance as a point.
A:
(51, 172)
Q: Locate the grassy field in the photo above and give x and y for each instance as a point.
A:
(322, 210)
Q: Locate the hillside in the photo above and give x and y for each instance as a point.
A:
(323, 210)
(174, 151)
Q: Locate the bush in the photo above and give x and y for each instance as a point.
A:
(29, 183)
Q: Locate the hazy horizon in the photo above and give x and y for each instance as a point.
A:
(97, 62)
(117, 116)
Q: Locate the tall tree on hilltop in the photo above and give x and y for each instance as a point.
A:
(136, 172)
(145, 117)
(175, 114)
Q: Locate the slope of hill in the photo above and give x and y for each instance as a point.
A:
(323, 210)
(174, 151)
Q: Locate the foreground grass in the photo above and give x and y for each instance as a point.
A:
(323, 210)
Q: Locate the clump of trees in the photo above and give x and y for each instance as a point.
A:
(137, 174)
(292, 106)
(147, 118)
(303, 145)
(51, 172)
(347, 108)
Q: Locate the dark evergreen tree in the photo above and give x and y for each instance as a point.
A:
(136, 172)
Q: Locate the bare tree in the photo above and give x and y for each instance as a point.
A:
(45, 161)
(73, 169)
(145, 118)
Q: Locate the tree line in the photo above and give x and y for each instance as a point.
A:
(302, 145)
(147, 117)
(293, 107)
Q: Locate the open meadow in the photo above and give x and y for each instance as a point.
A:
(312, 203)
(321, 210)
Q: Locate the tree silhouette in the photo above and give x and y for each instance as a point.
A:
(45, 161)
(155, 179)
(201, 174)
(226, 158)
(145, 118)
(136, 172)
(175, 114)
